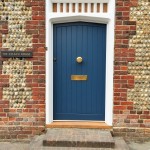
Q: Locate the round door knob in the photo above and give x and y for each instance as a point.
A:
(79, 59)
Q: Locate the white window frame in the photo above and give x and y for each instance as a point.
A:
(106, 18)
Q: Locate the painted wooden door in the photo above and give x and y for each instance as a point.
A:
(79, 99)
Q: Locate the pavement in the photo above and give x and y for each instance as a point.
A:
(14, 146)
(139, 146)
(37, 144)
(28, 146)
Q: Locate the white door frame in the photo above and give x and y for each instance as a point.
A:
(108, 19)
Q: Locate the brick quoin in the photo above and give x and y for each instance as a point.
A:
(124, 119)
(24, 123)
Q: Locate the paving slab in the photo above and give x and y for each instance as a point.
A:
(14, 146)
(139, 145)
(120, 144)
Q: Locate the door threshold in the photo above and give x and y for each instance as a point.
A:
(80, 124)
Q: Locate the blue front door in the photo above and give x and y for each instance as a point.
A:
(79, 87)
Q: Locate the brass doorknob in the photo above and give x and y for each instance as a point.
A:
(79, 59)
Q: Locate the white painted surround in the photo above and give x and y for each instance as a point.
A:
(58, 17)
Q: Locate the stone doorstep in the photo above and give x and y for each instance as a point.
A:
(73, 137)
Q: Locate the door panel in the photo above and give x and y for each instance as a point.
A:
(79, 100)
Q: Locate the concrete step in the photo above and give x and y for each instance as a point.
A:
(83, 138)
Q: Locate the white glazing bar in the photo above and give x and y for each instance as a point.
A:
(82, 7)
(89, 8)
(70, 7)
(64, 7)
(101, 7)
(58, 7)
(76, 7)
(95, 7)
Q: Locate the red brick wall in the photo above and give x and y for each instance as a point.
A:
(127, 116)
(24, 120)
